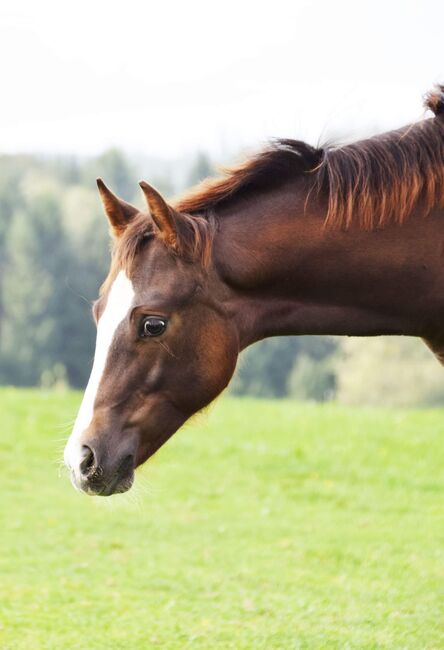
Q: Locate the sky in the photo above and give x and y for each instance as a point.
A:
(167, 78)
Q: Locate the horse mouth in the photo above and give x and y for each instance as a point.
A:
(117, 486)
(100, 484)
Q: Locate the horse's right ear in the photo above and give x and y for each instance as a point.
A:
(118, 211)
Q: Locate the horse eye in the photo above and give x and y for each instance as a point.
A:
(152, 326)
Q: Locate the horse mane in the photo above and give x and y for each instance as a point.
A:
(382, 179)
(196, 225)
(369, 183)
(281, 161)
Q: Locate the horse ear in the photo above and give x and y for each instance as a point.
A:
(118, 211)
(161, 213)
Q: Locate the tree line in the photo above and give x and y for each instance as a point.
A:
(54, 254)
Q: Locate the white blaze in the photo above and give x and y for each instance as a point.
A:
(119, 301)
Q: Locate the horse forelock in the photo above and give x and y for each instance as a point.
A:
(194, 243)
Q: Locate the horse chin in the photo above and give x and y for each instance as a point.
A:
(118, 485)
(119, 488)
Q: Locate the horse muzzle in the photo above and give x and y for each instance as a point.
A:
(101, 474)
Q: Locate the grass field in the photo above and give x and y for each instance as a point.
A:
(260, 525)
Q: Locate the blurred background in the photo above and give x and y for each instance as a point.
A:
(264, 523)
(168, 92)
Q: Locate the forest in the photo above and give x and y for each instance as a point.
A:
(54, 255)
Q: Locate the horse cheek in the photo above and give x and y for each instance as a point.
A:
(217, 359)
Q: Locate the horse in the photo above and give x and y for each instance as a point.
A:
(343, 240)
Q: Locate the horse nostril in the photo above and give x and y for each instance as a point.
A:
(88, 463)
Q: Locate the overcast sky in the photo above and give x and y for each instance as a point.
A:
(168, 77)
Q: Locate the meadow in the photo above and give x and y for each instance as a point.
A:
(260, 525)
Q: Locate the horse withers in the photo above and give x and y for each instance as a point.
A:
(297, 240)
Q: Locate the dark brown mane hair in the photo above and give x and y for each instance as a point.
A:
(369, 183)
(281, 161)
(381, 180)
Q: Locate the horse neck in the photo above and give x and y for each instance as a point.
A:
(284, 273)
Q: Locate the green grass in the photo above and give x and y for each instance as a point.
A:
(260, 525)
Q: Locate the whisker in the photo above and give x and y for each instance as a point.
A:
(65, 425)
(166, 348)
(77, 294)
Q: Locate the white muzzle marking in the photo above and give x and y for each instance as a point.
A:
(119, 301)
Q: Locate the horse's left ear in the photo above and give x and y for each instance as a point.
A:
(162, 214)
(118, 211)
